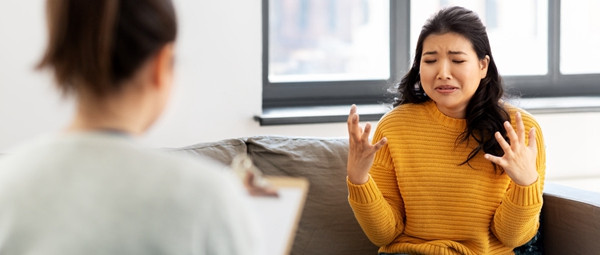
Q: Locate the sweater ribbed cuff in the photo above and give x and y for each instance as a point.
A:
(525, 195)
(363, 193)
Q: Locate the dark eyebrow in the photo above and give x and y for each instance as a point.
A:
(456, 53)
(449, 52)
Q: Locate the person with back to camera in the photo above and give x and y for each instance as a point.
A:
(453, 169)
(93, 189)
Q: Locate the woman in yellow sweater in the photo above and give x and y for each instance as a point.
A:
(452, 169)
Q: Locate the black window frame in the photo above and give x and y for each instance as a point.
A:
(554, 83)
(284, 95)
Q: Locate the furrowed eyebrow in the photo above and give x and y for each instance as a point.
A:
(456, 53)
(449, 53)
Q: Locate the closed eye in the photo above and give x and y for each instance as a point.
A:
(458, 61)
(429, 61)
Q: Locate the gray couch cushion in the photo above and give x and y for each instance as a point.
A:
(222, 151)
(327, 225)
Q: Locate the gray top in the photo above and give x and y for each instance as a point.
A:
(101, 193)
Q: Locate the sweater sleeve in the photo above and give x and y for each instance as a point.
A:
(516, 220)
(377, 204)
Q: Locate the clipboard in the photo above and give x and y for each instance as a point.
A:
(280, 215)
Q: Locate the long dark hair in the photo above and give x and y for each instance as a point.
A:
(484, 114)
(93, 45)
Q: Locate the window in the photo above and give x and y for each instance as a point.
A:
(339, 52)
(332, 52)
(580, 37)
(510, 37)
(328, 40)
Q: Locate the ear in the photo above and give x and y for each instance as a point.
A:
(483, 66)
(162, 67)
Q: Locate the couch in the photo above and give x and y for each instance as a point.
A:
(570, 217)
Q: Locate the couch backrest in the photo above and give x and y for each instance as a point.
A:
(223, 151)
(327, 225)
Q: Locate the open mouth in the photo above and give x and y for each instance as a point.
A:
(446, 89)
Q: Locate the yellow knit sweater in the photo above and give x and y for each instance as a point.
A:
(420, 200)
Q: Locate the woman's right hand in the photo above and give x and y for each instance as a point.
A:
(360, 152)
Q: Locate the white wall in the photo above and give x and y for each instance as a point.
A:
(28, 104)
(572, 144)
(218, 80)
(218, 87)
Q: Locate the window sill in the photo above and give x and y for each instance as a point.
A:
(558, 104)
(339, 113)
(318, 114)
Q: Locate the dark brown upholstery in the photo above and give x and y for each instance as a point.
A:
(571, 220)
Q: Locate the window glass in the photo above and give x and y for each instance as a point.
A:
(325, 40)
(517, 30)
(580, 37)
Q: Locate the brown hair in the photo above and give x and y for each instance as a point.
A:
(485, 113)
(94, 45)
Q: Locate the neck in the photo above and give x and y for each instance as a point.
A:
(453, 113)
(115, 114)
(85, 122)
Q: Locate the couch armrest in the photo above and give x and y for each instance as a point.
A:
(570, 220)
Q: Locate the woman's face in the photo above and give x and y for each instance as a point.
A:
(451, 72)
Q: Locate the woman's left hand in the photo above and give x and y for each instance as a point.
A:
(519, 160)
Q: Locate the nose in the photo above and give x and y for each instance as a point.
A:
(444, 71)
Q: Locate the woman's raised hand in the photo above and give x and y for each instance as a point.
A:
(361, 152)
(519, 159)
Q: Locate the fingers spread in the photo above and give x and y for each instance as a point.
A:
(380, 144)
(352, 109)
(520, 128)
(503, 144)
(351, 115)
(356, 133)
(354, 129)
(510, 132)
(494, 159)
(365, 134)
(532, 141)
